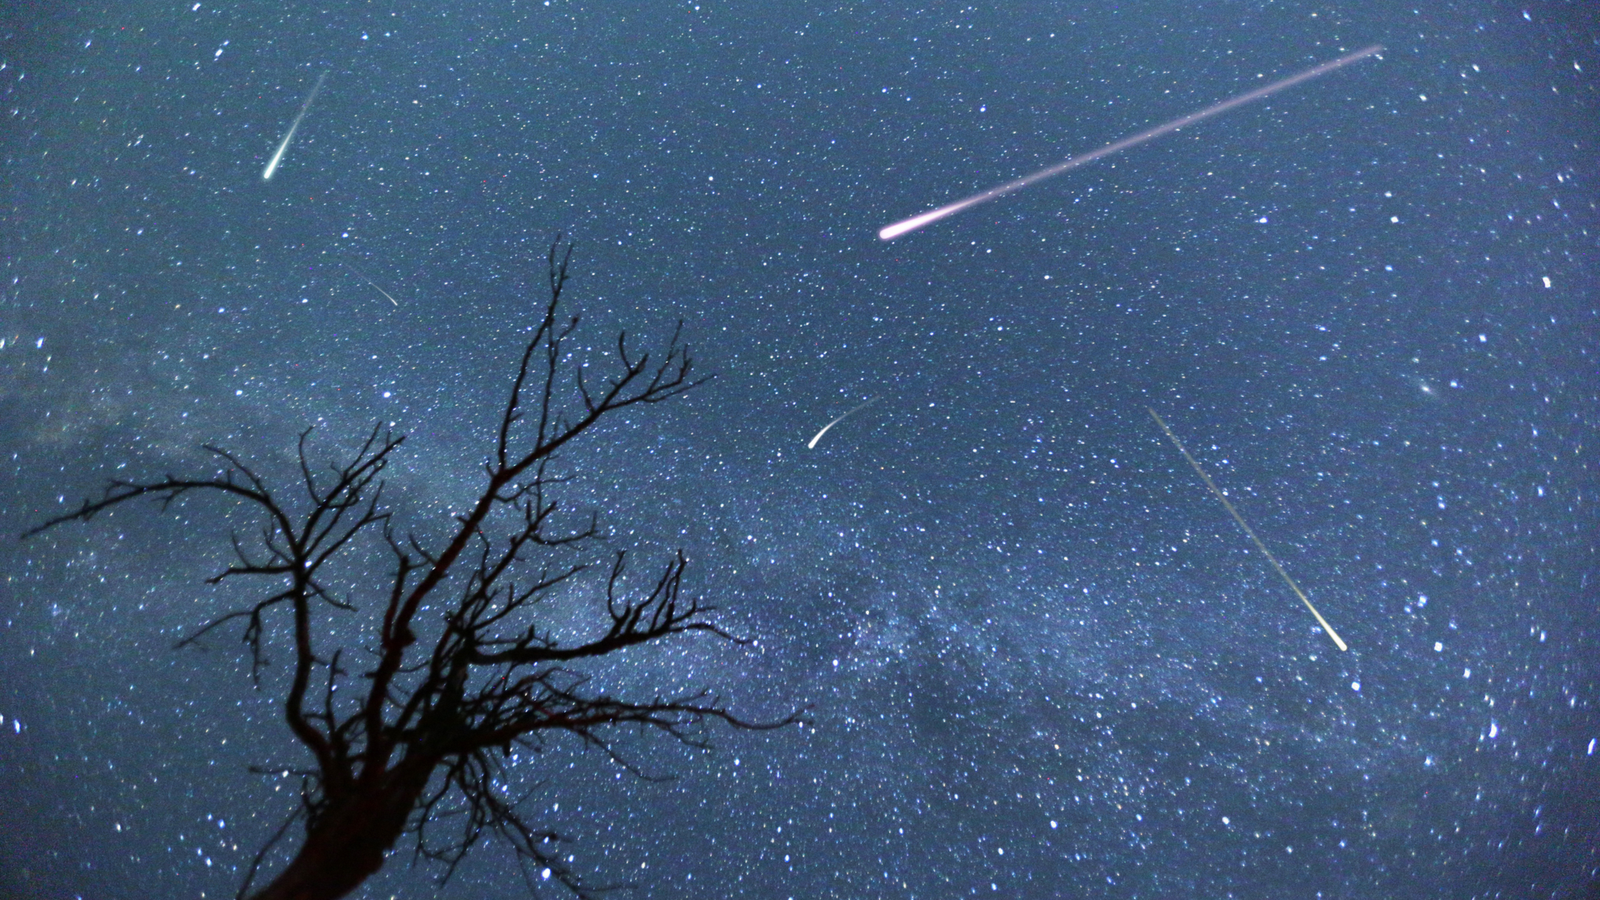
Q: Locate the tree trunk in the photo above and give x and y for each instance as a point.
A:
(349, 843)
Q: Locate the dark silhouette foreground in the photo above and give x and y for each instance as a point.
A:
(457, 673)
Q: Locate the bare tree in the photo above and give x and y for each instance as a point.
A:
(423, 738)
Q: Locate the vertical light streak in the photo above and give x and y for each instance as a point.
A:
(890, 232)
(272, 164)
(1337, 641)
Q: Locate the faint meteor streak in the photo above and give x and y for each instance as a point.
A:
(371, 282)
(1338, 642)
(812, 444)
(890, 232)
(272, 164)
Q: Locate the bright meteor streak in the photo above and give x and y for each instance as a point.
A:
(1337, 641)
(812, 444)
(890, 232)
(272, 164)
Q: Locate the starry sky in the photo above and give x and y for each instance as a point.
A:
(1041, 660)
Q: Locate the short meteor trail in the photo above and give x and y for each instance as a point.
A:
(371, 282)
(812, 445)
(890, 232)
(272, 164)
(1338, 642)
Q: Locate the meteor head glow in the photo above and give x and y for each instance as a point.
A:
(890, 232)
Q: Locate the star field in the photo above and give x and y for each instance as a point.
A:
(1039, 659)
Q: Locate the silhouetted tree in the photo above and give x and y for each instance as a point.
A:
(425, 738)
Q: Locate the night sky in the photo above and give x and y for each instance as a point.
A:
(1041, 659)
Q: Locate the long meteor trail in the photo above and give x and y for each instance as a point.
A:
(812, 444)
(890, 232)
(1337, 641)
(272, 164)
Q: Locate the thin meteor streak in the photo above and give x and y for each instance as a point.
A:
(1338, 642)
(371, 282)
(812, 444)
(272, 164)
(890, 232)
